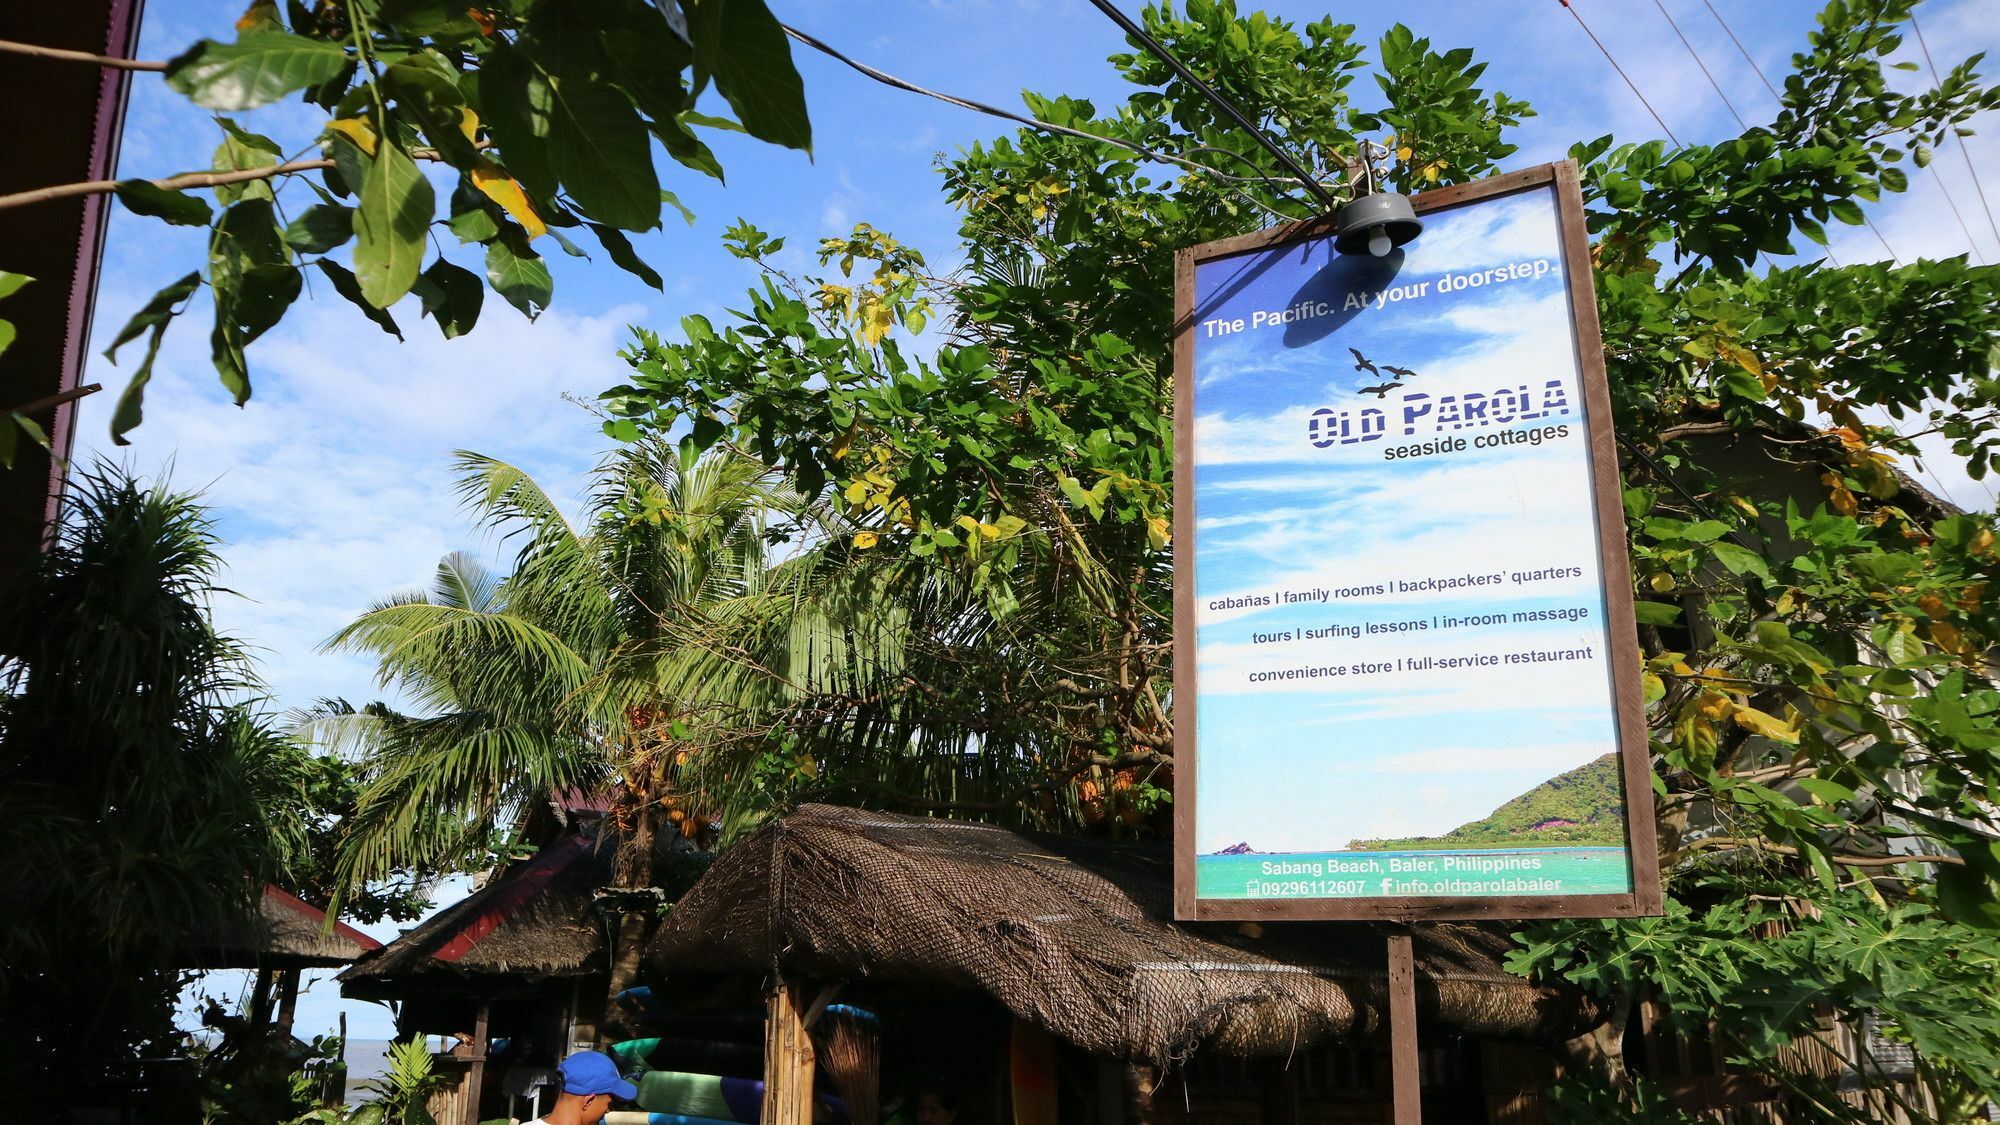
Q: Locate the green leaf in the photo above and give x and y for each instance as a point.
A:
(10, 283)
(389, 226)
(627, 259)
(514, 102)
(261, 297)
(1967, 897)
(741, 44)
(425, 88)
(523, 281)
(452, 295)
(598, 147)
(242, 152)
(348, 286)
(126, 416)
(156, 312)
(257, 69)
(1740, 560)
(1655, 613)
(645, 55)
(320, 228)
(1893, 179)
(144, 197)
(8, 333)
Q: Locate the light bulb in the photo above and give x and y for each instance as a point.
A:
(1378, 243)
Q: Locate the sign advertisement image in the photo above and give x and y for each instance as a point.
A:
(1404, 608)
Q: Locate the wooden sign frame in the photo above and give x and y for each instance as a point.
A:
(1629, 709)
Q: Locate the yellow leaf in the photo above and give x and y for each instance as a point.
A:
(1662, 583)
(1933, 607)
(1403, 153)
(970, 525)
(356, 130)
(866, 539)
(1714, 705)
(856, 492)
(468, 124)
(989, 531)
(505, 190)
(1740, 356)
(1945, 636)
(260, 15)
(1159, 532)
(1770, 726)
(841, 443)
(876, 320)
(1843, 499)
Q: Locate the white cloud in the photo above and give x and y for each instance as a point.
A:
(332, 487)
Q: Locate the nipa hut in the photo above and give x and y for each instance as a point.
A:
(514, 972)
(285, 937)
(1042, 978)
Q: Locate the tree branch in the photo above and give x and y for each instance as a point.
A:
(37, 52)
(183, 180)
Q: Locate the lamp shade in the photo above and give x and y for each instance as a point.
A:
(1375, 224)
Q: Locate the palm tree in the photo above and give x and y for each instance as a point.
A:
(139, 791)
(572, 671)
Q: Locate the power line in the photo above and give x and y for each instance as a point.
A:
(1754, 68)
(1962, 151)
(1696, 56)
(1631, 85)
(1159, 51)
(1780, 99)
(888, 79)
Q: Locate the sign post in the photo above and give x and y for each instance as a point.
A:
(1406, 683)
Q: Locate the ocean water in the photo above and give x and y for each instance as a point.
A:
(366, 1059)
(1474, 873)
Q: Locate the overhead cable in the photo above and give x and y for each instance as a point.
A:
(1693, 54)
(1159, 51)
(888, 79)
(1962, 151)
(1629, 84)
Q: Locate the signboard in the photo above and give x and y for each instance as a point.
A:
(1406, 670)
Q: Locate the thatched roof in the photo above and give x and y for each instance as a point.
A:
(534, 921)
(286, 933)
(1075, 936)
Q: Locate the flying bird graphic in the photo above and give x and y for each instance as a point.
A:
(1361, 363)
(1381, 392)
(1398, 372)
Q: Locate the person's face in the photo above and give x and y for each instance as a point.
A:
(931, 1111)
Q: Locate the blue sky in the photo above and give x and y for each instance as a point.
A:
(332, 486)
(1312, 764)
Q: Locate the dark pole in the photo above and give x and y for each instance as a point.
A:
(1404, 1089)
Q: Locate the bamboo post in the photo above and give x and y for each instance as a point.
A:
(475, 1074)
(1405, 1091)
(788, 1058)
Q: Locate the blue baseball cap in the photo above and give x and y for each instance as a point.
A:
(588, 1072)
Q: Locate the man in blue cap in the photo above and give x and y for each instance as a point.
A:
(590, 1081)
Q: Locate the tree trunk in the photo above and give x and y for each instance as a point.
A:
(633, 915)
